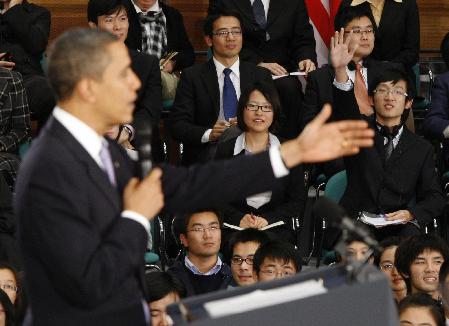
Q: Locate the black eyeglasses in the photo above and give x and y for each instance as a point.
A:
(255, 107)
(368, 31)
(225, 33)
(240, 260)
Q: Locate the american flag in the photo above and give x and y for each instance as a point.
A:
(322, 13)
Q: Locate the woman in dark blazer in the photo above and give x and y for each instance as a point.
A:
(397, 32)
(257, 114)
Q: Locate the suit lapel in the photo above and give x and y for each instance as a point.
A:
(97, 175)
(245, 9)
(275, 9)
(246, 77)
(210, 81)
(388, 13)
(405, 142)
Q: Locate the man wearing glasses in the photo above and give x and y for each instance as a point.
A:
(397, 176)
(207, 95)
(202, 270)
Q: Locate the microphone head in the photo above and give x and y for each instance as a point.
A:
(143, 146)
(329, 210)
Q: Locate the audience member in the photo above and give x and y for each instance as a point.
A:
(158, 29)
(420, 309)
(436, 122)
(419, 259)
(356, 250)
(7, 317)
(397, 176)
(24, 31)
(14, 122)
(386, 262)
(11, 285)
(111, 15)
(122, 136)
(162, 290)
(202, 269)
(279, 37)
(275, 260)
(443, 277)
(257, 116)
(397, 29)
(206, 99)
(243, 245)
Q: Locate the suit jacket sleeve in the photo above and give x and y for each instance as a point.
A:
(409, 53)
(303, 40)
(215, 183)
(87, 266)
(345, 105)
(310, 104)
(149, 104)
(20, 115)
(437, 118)
(182, 117)
(32, 29)
(429, 199)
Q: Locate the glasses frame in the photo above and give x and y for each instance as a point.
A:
(393, 92)
(241, 260)
(360, 32)
(203, 229)
(225, 33)
(257, 107)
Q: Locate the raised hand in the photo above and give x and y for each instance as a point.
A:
(340, 52)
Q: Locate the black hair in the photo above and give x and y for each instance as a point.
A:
(349, 14)
(213, 17)
(276, 249)
(181, 222)
(247, 235)
(385, 244)
(96, 8)
(394, 75)
(8, 307)
(270, 93)
(159, 284)
(423, 300)
(444, 49)
(412, 247)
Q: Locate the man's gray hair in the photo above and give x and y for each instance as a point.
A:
(77, 54)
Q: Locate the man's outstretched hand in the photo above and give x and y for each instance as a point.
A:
(321, 141)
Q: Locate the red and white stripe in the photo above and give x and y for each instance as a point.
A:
(322, 13)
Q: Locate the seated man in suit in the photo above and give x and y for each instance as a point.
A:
(24, 31)
(163, 289)
(207, 95)
(436, 122)
(362, 70)
(158, 29)
(277, 36)
(242, 246)
(419, 259)
(396, 177)
(275, 260)
(111, 15)
(202, 270)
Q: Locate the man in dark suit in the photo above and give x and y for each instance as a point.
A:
(200, 111)
(111, 15)
(277, 36)
(83, 219)
(397, 29)
(397, 176)
(24, 31)
(146, 19)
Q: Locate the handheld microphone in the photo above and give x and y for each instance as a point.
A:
(337, 217)
(144, 134)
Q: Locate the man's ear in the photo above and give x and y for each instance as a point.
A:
(208, 41)
(371, 100)
(255, 277)
(92, 25)
(85, 90)
(184, 241)
(408, 103)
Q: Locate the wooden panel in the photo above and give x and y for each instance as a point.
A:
(434, 16)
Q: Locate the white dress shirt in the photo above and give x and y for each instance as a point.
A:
(91, 141)
(235, 78)
(350, 83)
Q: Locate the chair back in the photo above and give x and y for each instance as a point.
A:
(336, 186)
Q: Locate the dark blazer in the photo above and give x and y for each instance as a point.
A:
(437, 118)
(291, 37)
(84, 262)
(287, 199)
(177, 39)
(397, 36)
(24, 31)
(319, 86)
(197, 103)
(407, 178)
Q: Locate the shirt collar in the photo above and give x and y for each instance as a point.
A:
(359, 2)
(89, 139)
(154, 7)
(240, 143)
(220, 67)
(214, 270)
